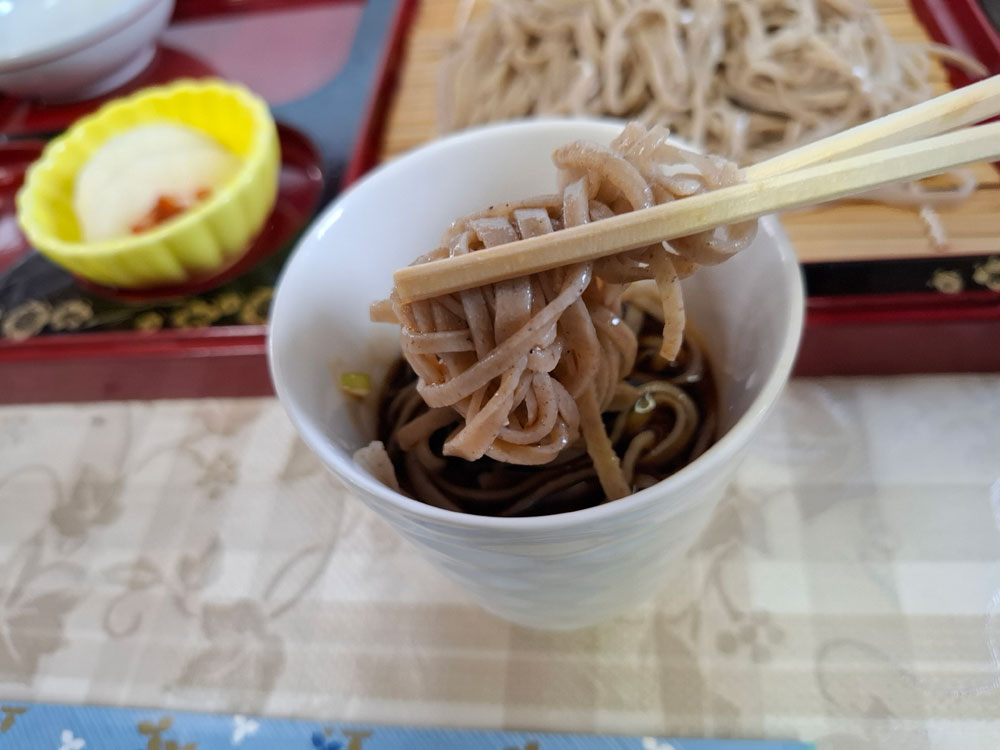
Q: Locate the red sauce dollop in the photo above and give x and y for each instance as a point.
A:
(167, 207)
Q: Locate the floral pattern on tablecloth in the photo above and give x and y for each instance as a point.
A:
(193, 555)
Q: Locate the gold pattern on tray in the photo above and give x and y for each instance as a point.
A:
(988, 274)
(71, 315)
(841, 232)
(33, 316)
(228, 307)
(148, 321)
(195, 313)
(26, 320)
(947, 282)
(229, 303)
(256, 307)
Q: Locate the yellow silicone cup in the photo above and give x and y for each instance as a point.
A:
(209, 237)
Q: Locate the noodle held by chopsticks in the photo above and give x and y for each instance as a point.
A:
(527, 366)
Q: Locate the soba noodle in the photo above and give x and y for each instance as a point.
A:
(741, 78)
(664, 419)
(519, 371)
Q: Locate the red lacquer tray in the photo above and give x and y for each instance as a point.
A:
(901, 334)
(876, 330)
(847, 333)
(338, 64)
(964, 25)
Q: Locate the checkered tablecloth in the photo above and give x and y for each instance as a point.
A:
(192, 555)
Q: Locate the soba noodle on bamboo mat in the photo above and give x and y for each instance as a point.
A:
(743, 78)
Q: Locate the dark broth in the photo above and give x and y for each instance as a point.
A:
(489, 487)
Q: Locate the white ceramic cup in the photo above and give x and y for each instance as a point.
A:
(560, 571)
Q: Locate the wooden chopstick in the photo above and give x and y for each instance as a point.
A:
(956, 109)
(802, 187)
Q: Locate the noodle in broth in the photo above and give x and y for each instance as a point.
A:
(665, 418)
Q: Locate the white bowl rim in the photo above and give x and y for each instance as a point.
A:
(719, 453)
(112, 24)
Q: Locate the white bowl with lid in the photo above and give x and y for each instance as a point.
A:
(67, 50)
(559, 571)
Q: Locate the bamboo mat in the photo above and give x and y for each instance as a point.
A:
(846, 231)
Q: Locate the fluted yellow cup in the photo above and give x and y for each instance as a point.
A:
(204, 239)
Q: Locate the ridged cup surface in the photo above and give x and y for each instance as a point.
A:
(198, 242)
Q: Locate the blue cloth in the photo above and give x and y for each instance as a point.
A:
(59, 727)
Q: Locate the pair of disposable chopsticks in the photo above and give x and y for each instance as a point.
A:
(904, 146)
